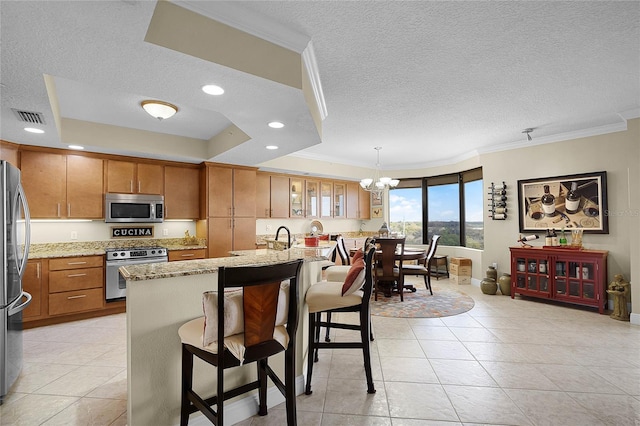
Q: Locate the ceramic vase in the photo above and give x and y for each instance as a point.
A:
(505, 284)
(488, 286)
(492, 273)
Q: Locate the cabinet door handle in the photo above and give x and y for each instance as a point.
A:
(139, 186)
(188, 255)
(82, 262)
(130, 186)
(58, 208)
(38, 270)
(76, 275)
(68, 209)
(80, 296)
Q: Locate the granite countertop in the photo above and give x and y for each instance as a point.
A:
(97, 248)
(152, 271)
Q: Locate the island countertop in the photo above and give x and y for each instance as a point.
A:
(152, 271)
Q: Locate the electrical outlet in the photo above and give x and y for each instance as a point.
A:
(268, 228)
(495, 265)
(74, 235)
(165, 232)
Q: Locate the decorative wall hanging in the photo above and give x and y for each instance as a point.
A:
(569, 202)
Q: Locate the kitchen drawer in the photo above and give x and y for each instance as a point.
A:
(186, 254)
(76, 262)
(75, 279)
(76, 301)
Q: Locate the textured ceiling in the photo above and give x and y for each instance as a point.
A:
(430, 82)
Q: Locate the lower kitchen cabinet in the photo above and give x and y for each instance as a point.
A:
(66, 289)
(571, 276)
(76, 284)
(189, 254)
(32, 284)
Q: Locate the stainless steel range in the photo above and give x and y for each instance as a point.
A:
(116, 286)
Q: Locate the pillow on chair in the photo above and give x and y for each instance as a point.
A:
(355, 278)
(234, 312)
(358, 255)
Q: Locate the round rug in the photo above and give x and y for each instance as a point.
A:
(421, 304)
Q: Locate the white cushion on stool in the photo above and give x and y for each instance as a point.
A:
(191, 334)
(326, 295)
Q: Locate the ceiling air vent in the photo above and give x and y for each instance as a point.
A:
(29, 116)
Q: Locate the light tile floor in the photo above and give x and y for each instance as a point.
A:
(505, 362)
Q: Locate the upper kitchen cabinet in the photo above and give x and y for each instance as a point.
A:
(9, 152)
(181, 192)
(62, 186)
(127, 177)
(358, 202)
(272, 196)
(326, 198)
(297, 197)
(339, 199)
(312, 197)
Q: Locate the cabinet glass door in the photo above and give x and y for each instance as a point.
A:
(576, 279)
(297, 209)
(338, 199)
(313, 199)
(325, 199)
(532, 274)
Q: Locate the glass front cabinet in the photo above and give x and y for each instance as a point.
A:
(566, 275)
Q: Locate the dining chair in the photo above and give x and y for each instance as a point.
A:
(248, 324)
(424, 268)
(352, 295)
(389, 265)
(340, 251)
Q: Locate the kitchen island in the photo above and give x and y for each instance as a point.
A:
(163, 296)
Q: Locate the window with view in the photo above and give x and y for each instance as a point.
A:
(450, 206)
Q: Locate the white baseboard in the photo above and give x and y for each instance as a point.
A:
(634, 318)
(246, 407)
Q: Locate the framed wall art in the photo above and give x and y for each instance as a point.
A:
(571, 201)
(376, 198)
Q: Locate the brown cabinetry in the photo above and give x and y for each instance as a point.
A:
(189, 254)
(181, 192)
(272, 196)
(358, 202)
(128, 177)
(9, 152)
(229, 194)
(32, 284)
(76, 284)
(65, 186)
(571, 276)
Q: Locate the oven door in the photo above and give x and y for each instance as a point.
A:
(116, 286)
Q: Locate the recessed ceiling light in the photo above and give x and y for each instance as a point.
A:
(271, 147)
(276, 125)
(212, 89)
(76, 147)
(33, 130)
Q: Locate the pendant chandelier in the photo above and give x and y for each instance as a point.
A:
(377, 183)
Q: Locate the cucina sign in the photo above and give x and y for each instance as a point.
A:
(131, 231)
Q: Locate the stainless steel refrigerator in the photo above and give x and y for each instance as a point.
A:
(14, 250)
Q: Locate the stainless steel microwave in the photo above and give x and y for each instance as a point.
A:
(133, 208)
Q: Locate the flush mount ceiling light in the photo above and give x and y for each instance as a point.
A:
(33, 130)
(276, 125)
(212, 89)
(527, 131)
(271, 147)
(159, 109)
(377, 183)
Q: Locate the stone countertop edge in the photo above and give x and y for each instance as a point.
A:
(153, 271)
(53, 250)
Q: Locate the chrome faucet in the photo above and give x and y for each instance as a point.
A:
(288, 235)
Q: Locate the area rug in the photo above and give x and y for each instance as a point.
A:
(444, 302)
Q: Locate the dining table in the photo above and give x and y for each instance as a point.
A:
(411, 253)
